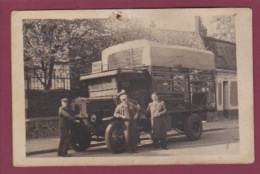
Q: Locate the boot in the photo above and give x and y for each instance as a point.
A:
(155, 143)
(164, 143)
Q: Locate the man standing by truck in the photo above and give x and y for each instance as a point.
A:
(158, 109)
(65, 123)
(129, 112)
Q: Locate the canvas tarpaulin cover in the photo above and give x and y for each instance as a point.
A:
(148, 53)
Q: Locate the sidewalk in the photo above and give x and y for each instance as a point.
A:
(46, 145)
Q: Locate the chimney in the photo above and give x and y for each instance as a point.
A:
(199, 27)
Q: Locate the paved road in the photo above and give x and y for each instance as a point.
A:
(224, 141)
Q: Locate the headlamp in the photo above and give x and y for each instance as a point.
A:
(93, 118)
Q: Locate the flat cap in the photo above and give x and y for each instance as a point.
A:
(64, 100)
(122, 92)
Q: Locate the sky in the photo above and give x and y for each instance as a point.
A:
(174, 19)
(182, 19)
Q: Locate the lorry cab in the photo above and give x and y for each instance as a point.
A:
(109, 83)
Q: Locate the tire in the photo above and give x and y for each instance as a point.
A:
(80, 138)
(115, 137)
(193, 127)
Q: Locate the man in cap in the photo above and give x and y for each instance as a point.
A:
(65, 122)
(129, 112)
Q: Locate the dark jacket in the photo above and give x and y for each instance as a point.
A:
(66, 118)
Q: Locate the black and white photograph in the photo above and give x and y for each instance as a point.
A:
(132, 87)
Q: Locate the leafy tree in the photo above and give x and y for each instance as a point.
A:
(123, 30)
(47, 42)
(223, 27)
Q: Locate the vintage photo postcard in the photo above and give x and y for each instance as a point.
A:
(132, 87)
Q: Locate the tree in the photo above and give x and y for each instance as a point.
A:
(123, 30)
(47, 42)
(223, 27)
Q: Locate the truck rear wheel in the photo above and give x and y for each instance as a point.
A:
(80, 138)
(193, 127)
(115, 137)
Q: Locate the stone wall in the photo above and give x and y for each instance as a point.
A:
(42, 127)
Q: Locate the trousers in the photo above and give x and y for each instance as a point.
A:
(64, 144)
(163, 143)
(131, 134)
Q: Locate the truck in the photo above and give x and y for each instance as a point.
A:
(183, 77)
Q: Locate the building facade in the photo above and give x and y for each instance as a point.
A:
(226, 75)
(227, 93)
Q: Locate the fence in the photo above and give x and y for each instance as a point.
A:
(60, 80)
(45, 103)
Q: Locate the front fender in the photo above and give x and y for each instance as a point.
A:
(104, 123)
(108, 118)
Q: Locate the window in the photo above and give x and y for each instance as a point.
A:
(233, 94)
(220, 93)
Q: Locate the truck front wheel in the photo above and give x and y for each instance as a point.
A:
(193, 127)
(80, 138)
(115, 137)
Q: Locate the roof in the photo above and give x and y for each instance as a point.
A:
(159, 54)
(224, 51)
(182, 38)
(107, 73)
